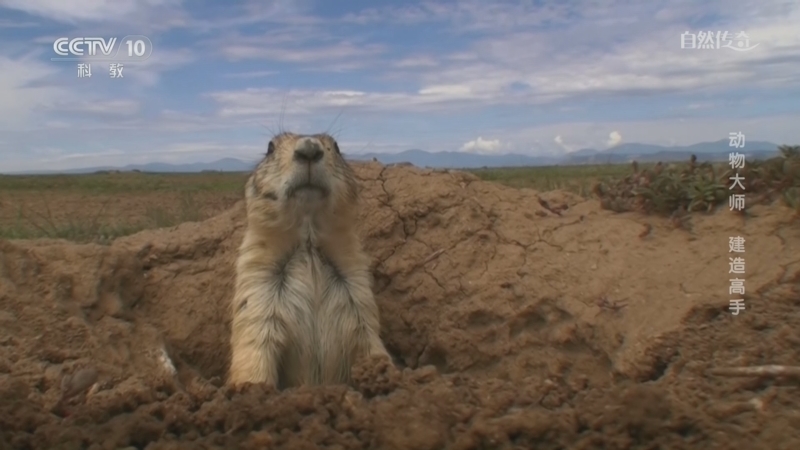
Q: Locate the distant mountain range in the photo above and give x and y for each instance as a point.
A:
(624, 153)
(221, 165)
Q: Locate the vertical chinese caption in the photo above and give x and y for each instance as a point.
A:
(736, 202)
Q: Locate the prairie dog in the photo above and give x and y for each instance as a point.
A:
(303, 308)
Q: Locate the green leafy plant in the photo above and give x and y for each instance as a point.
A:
(686, 188)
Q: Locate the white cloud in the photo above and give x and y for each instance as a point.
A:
(119, 107)
(179, 152)
(448, 90)
(482, 145)
(336, 52)
(556, 65)
(497, 62)
(165, 12)
(262, 101)
(780, 129)
(27, 88)
(560, 142)
(212, 150)
(288, 13)
(416, 61)
(93, 156)
(252, 74)
(614, 139)
(314, 45)
(4, 23)
(700, 105)
(70, 10)
(468, 15)
(594, 55)
(149, 71)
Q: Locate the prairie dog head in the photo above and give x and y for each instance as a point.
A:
(301, 176)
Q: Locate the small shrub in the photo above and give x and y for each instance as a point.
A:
(684, 188)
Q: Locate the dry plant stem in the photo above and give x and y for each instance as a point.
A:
(750, 371)
(433, 256)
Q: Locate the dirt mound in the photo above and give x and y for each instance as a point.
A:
(517, 320)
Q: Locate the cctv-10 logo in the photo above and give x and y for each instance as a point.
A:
(129, 48)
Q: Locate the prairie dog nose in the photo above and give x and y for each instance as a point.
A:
(308, 149)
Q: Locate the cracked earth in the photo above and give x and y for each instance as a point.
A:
(517, 319)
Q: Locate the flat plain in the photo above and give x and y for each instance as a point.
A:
(103, 206)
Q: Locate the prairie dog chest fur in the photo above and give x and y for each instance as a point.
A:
(303, 308)
(308, 269)
(314, 279)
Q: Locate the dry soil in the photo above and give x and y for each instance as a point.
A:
(517, 319)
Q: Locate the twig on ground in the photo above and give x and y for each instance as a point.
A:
(756, 371)
(433, 256)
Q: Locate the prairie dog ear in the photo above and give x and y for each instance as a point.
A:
(270, 148)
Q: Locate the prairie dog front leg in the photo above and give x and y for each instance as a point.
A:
(258, 337)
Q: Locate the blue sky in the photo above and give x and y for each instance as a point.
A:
(529, 77)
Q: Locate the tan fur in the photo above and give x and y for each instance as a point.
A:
(303, 309)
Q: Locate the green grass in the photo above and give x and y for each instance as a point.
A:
(577, 179)
(34, 224)
(26, 221)
(126, 182)
(74, 230)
